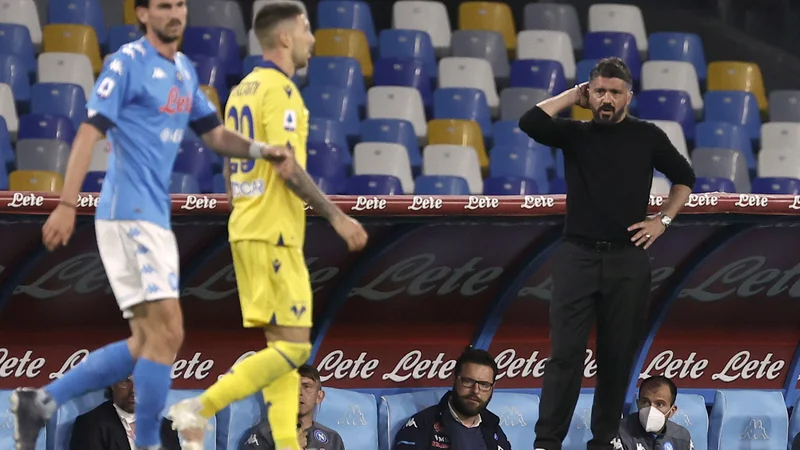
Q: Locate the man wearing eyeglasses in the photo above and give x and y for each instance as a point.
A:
(460, 420)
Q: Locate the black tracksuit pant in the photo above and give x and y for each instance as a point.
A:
(610, 284)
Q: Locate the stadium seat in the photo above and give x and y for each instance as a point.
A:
(250, 62)
(441, 185)
(616, 17)
(211, 94)
(383, 158)
(510, 186)
(355, 15)
(73, 39)
(393, 131)
(59, 99)
(486, 45)
(15, 40)
(556, 17)
(326, 130)
(3, 187)
(175, 396)
(122, 34)
(547, 45)
(776, 185)
(539, 74)
(94, 182)
(79, 12)
(333, 103)
(46, 126)
(674, 132)
(516, 101)
(37, 181)
(404, 72)
(522, 163)
(673, 75)
(464, 104)
(100, 154)
(518, 413)
(578, 113)
(23, 12)
(59, 429)
(221, 14)
(14, 74)
(756, 417)
(428, 16)
(692, 415)
(213, 42)
(604, 44)
(469, 73)
(454, 160)
(338, 71)
(183, 183)
(779, 162)
(725, 135)
(353, 415)
(668, 105)
(244, 414)
(507, 132)
(579, 432)
(349, 43)
(660, 186)
(794, 422)
(736, 107)
(459, 132)
(489, 16)
(330, 162)
(374, 185)
(409, 44)
(722, 163)
(704, 184)
(395, 102)
(219, 184)
(6, 151)
(784, 106)
(673, 46)
(113, 12)
(558, 186)
(46, 155)
(395, 410)
(584, 69)
(66, 68)
(737, 76)
(780, 135)
(129, 13)
(195, 159)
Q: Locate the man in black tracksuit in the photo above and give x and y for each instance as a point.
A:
(650, 428)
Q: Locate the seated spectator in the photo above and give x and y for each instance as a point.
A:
(312, 435)
(460, 420)
(650, 428)
(111, 425)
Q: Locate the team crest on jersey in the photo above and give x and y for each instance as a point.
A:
(289, 120)
(320, 436)
(288, 90)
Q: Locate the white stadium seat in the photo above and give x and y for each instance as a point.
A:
(779, 162)
(660, 186)
(384, 158)
(75, 68)
(99, 162)
(8, 109)
(453, 160)
(22, 12)
(428, 16)
(469, 73)
(618, 17)
(547, 44)
(396, 102)
(780, 135)
(253, 46)
(673, 75)
(675, 134)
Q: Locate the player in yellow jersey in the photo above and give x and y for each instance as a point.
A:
(267, 232)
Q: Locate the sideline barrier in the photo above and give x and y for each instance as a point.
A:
(438, 273)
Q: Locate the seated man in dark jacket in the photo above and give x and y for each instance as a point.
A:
(460, 421)
(650, 428)
(111, 425)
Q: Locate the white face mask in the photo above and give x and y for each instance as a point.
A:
(652, 419)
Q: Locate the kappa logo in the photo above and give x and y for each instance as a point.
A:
(159, 74)
(511, 417)
(411, 423)
(754, 431)
(639, 446)
(617, 443)
(354, 417)
(586, 418)
(252, 440)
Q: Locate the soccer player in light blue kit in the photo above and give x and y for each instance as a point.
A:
(144, 100)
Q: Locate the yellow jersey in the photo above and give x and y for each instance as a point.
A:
(267, 106)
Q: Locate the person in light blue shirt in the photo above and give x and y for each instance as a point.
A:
(144, 100)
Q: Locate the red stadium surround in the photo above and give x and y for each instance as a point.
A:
(439, 273)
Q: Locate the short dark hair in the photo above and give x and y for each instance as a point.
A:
(272, 14)
(656, 382)
(309, 371)
(612, 68)
(476, 356)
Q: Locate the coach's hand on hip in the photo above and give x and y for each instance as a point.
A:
(59, 226)
(649, 230)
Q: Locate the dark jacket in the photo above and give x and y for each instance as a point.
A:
(102, 429)
(426, 430)
(319, 437)
(632, 436)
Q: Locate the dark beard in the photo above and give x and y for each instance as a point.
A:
(615, 116)
(166, 39)
(461, 407)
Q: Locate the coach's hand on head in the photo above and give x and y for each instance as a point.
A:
(582, 95)
(59, 226)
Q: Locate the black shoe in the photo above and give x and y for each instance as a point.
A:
(29, 418)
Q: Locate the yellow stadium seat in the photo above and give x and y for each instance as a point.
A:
(130, 13)
(579, 113)
(213, 97)
(489, 16)
(68, 38)
(459, 132)
(738, 76)
(341, 42)
(35, 180)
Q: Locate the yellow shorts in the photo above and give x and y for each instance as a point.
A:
(274, 285)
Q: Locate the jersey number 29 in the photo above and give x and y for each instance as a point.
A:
(243, 124)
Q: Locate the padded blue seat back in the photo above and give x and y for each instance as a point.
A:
(395, 410)
(353, 415)
(751, 420)
(518, 414)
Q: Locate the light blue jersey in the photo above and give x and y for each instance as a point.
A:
(146, 102)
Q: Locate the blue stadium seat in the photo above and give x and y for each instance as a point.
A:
(59, 428)
(14, 72)
(776, 185)
(219, 183)
(216, 42)
(737, 107)
(334, 103)
(120, 35)
(395, 410)
(603, 44)
(46, 126)
(692, 415)
(583, 69)
(183, 183)
(354, 15)
(668, 105)
(250, 62)
(406, 72)
(59, 99)
(440, 185)
(324, 184)
(243, 415)
(507, 185)
(673, 46)
(340, 72)
(210, 71)
(80, 12)
(518, 414)
(6, 151)
(15, 40)
(507, 133)
(560, 164)
(752, 419)
(194, 158)
(703, 184)
(520, 162)
(353, 415)
(579, 428)
(326, 130)
(409, 44)
(331, 163)
(93, 181)
(465, 104)
(725, 135)
(374, 185)
(794, 422)
(538, 73)
(396, 131)
(7, 431)
(558, 186)
(3, 187)
(175, 396)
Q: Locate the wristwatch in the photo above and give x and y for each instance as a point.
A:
(665, 219)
